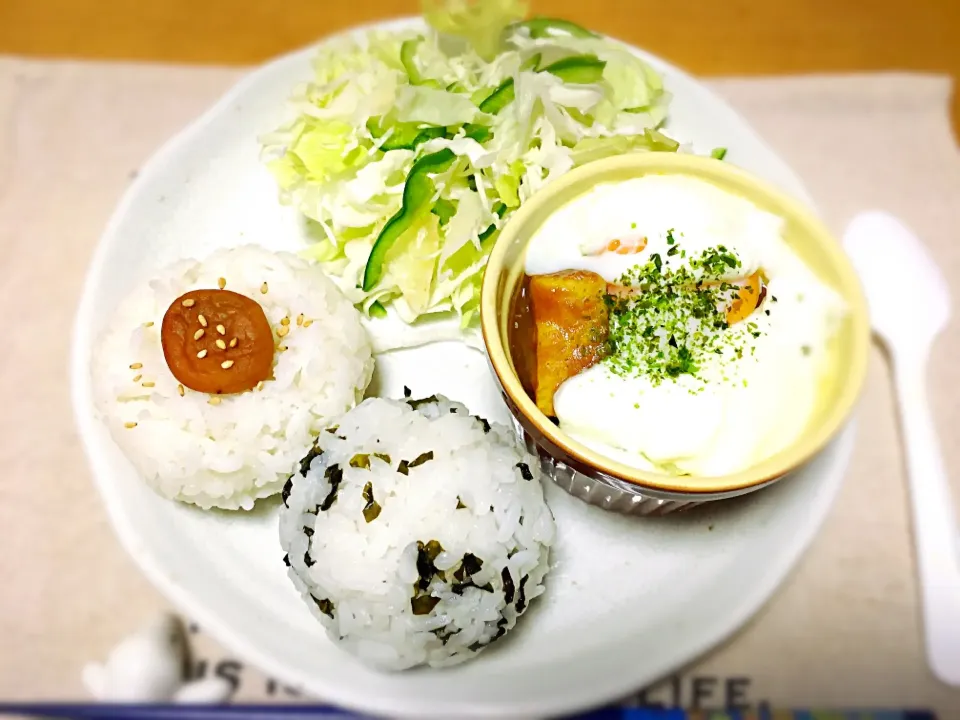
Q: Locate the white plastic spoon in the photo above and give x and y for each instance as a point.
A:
(909, 306)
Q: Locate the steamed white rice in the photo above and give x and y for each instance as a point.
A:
(417, 533)
(229, 454)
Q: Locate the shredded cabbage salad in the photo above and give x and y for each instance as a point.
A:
(410, 150)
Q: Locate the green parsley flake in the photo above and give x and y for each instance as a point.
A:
(675, 318)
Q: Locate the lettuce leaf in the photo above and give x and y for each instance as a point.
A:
(380, 101)
(479, 22)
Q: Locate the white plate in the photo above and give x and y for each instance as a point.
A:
(628, 600)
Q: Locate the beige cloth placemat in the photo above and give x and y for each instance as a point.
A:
(843, 631)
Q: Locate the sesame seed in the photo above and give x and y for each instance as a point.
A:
(282, 348)
(202, 354)
(149, 384)
(264, 288)
(221, 283)
(180, 390)
(198, 334)
(307, 323)
(282, 330)
(221, 344)
(300, 319)
(260, 385)
(221, 329)
(226, 364)
(137, 378)
(233, 343)
(189, 302)
(129, 425)
(285, 321)
(214, 400)
(136, 366)
(202, 320)
(148, 324)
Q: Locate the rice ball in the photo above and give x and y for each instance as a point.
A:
(417, 533)
(226, 451)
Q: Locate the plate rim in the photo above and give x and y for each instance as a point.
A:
(180, 597)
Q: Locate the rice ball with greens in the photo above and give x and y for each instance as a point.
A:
(417, 533)
(215, 377)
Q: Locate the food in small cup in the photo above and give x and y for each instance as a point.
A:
(215, 376)
(679, 471)
(665, 323)
(417, 533)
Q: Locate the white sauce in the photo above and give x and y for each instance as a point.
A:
(746, 409)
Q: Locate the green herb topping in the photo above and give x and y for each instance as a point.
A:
(360, 460)
(371, 508)
(671, 319)
(334, 475)
(324, 605)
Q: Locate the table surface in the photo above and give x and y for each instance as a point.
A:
(860, 566)
(733, 37)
